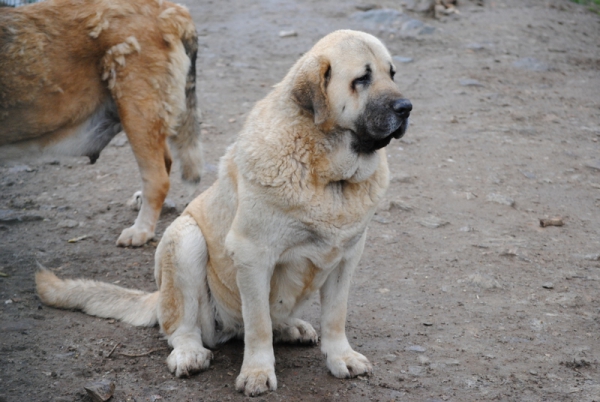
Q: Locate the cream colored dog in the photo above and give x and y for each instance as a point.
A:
(74, 73)
(287, 217)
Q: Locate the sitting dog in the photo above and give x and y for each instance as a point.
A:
(287, 217)
(74, 73)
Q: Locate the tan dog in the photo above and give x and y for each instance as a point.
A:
(287, 217)
(74, 73)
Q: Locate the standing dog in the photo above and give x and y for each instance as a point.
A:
(74, 73)
(287, 217)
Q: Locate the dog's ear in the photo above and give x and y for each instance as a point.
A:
(310, 88)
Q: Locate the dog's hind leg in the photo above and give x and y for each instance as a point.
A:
(185, 311)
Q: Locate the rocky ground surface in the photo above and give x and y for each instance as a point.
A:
(461, 294)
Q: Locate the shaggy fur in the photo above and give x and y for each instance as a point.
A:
(287, 217)
(74, 73)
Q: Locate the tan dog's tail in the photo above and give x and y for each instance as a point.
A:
(187, 143)
(97, 298)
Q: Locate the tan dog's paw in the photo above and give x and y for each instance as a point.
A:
(184, 361)
(256, 381)
(296, 331)
(349, 364)
(134, 237)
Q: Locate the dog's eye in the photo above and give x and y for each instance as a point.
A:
(392, 73)
(364, 80)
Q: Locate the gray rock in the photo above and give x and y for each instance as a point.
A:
(501, 199)
(390, 358)
(531, 64)
(20, 168)
(415, 370)
(432, 222)
(402, 59)
(12, 216)
(594, 165)
(424, 360)
(68, 223)
(469, 82)
(416, 349)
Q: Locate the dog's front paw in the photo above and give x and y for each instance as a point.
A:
(296, 331)
(184, 361)
(257, 380)
(134, 237)
(349, 364)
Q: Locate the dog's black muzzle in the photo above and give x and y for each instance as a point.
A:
(383, 120)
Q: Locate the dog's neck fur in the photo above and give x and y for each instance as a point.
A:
(323, 157)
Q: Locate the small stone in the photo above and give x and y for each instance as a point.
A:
(383, 290)
(169, 206)
(424, 360)
(100, 391)
(531, 64)
(592, 257)
(390, 358)
(432, 222)
(452, 362)
(68, 223)
(548, 285)
(469, 82)
(287, 34)
(428, 324)
(415, 370)
(594, 165)
(416, 349)
(551, 222)
(466, 229)
(501, 199)
(401, 59)
(533, 372)
(20, 168)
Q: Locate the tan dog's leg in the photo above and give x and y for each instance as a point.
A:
(295, 330)
(255, 265)
(145, 130)
(184, 309)
(342, 361)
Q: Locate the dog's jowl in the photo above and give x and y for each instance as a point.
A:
(286, 218)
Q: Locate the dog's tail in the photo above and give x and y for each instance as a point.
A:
(97, 298)
(187, 144)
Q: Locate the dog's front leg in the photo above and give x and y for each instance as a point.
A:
(254, 270)
(342, 360)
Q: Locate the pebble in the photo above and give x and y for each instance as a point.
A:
(452, 362)
(501, 199)
(100, 391)
(415, 370)
(68, 223)
(390, 358)
(20, 168)
(432, 222)
(287, 34)
(548, 285)
(469, 82)
(531, 64)
(595, 165)
(415, 348)
(401, 59)
(423, 359)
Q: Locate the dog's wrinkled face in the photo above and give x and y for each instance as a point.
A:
(347, 82)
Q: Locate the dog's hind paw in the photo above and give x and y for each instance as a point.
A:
(256, 381)
(295, 330)
(349, 364)
(134, 237)
(185, 361)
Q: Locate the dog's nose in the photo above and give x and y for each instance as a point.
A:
(402, 107)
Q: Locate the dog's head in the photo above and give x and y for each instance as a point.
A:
(347, 82)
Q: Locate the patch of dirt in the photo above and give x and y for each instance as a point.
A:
(460, 295)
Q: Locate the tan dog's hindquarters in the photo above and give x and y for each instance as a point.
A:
(286, 218)
(73, 73)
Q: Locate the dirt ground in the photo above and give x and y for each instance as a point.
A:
(461, 295)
